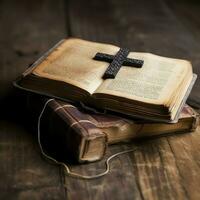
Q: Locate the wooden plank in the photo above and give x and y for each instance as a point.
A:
(24, 173)
(187, 12)
(162, 168)
(28, 29)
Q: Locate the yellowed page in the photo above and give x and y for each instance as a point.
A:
(73, 63)
(153, 83)
(174, 106)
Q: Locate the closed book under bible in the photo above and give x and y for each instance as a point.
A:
(85, 136)
(156, 91)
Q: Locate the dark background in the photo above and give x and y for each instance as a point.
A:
(29, 28)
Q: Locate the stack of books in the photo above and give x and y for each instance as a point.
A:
(99, 94)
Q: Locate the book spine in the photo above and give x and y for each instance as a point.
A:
(82, 138)
(195, 121)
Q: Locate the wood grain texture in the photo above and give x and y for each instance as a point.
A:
(161, 168)
(187, 13)
(24, 173)
(28, 29)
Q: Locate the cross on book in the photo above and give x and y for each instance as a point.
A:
(116, 61)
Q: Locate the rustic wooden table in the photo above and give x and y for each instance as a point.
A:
(162, 168)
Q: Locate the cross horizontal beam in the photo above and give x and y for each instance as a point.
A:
(127, 62)
(117, 61)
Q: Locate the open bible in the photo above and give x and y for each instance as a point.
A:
(157, 91)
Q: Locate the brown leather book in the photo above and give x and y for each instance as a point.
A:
(84, 136)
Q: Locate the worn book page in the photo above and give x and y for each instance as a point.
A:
(72, 62)
(153, 83)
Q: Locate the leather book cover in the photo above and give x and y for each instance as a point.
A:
(72, 131)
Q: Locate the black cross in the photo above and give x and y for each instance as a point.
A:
(117, 61)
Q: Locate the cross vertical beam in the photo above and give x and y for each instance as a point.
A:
(117, 61)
